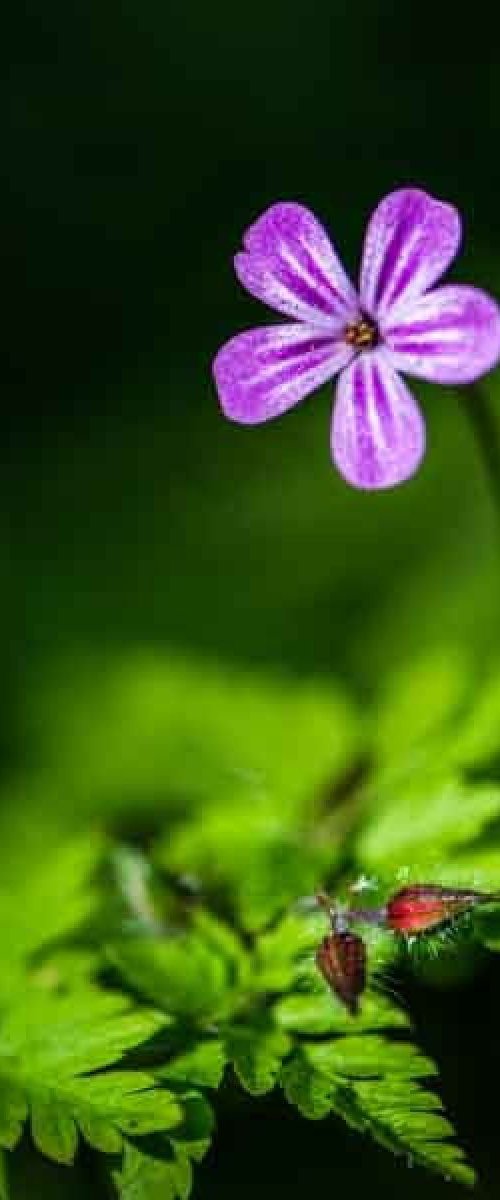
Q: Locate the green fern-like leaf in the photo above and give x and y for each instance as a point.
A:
(252, 828)
(361, 1069)
(50, 1049)
(256, 1051)
(161, 1168)
(143, 1176)
(371, 1083)
(203, 1065)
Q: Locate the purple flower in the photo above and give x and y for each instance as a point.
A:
(396, 321)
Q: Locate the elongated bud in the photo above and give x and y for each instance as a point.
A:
(341, 958)
(424, 906)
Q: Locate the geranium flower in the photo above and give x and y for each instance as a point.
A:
(395, 322)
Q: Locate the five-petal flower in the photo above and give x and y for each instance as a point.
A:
(396, 322)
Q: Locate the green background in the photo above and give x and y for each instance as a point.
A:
(140, 141)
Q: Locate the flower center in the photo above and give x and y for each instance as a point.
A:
(362, 334)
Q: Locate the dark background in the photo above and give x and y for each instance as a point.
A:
(140, 140)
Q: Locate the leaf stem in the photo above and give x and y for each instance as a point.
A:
(487, 435)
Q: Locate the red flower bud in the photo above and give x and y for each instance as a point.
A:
(341, 958)
(424, 906)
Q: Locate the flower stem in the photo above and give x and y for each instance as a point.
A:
(487, 434)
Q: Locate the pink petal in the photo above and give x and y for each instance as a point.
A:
(263, 372)
(410, 241)
(378, 432)
(451, 335)
(290, 264)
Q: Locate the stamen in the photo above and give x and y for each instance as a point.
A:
(361, 334)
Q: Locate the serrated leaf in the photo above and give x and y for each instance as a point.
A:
(129, 1100)
(256, 1052)
(202, 1066)
(406, 1120)
(316, 1013)
(369, 1057)
(306, 1088)
(53, 1129)
(74, 1033)
(144, 1177)
(372, 1084)
(48, 1046)
(160, 1168)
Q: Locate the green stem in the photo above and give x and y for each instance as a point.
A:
(487, 435)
